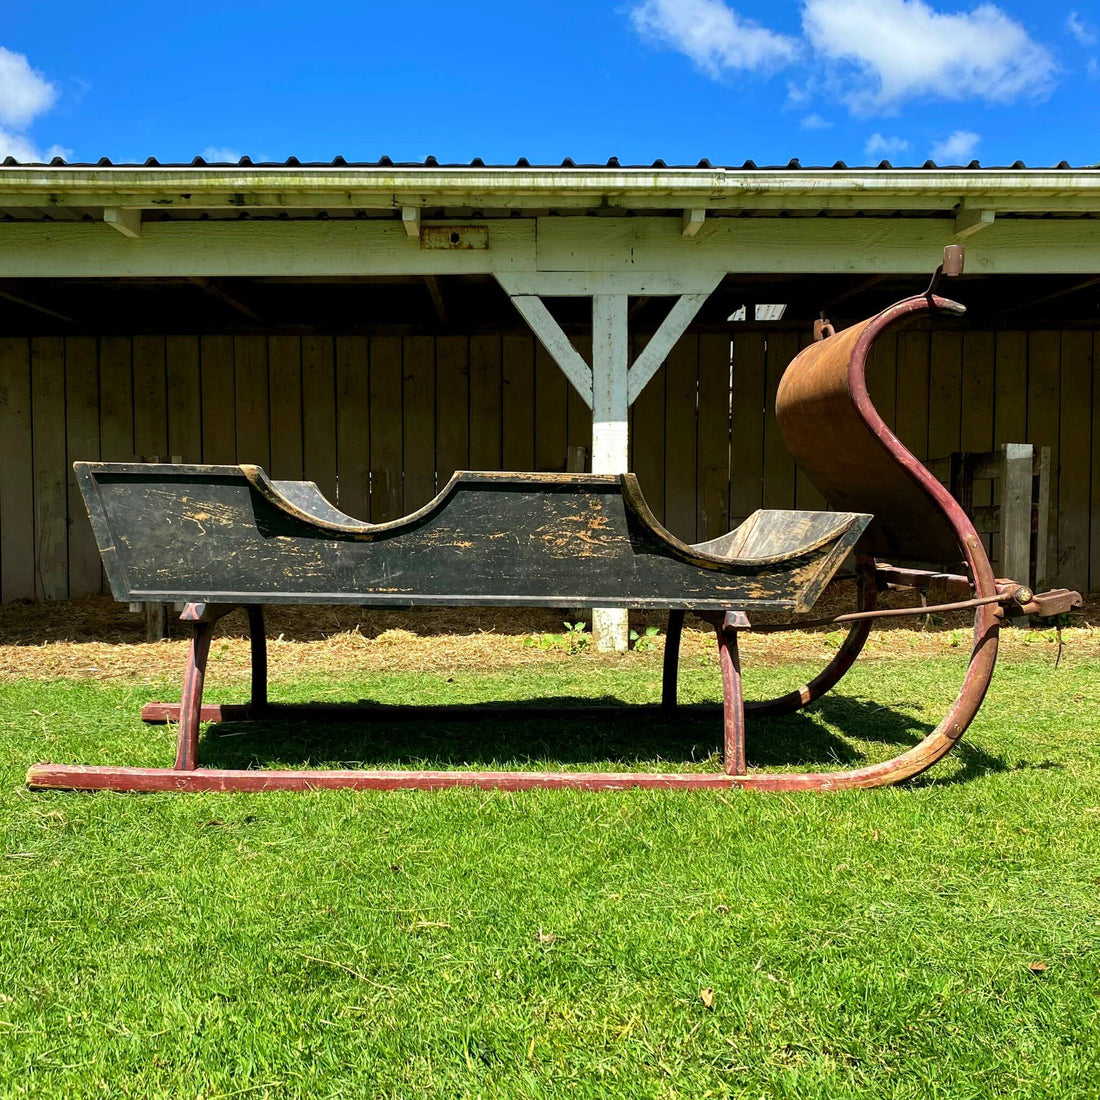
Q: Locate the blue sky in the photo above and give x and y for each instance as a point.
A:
(821, 80)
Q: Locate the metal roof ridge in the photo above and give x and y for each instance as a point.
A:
(568, 165)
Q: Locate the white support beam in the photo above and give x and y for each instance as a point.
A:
(610, 428)
(685, 279)
(251, 248)
(969, 222)
(554, 339)
(595, 255)
(125, 220)
(664, 339)
(693, 221)
(410, 219)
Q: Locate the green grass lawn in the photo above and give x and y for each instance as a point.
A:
(553, 943)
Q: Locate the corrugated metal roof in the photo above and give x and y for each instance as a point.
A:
(524, 163)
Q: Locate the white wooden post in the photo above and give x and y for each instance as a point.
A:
(610, 438)
(611, 384)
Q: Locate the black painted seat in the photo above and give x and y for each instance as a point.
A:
(229, 534)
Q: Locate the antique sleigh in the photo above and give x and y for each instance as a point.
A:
(221, 538)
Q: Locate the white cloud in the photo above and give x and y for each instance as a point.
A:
(873, 55)
(24, 149)
(15, 145)
(215, 153)
(899, 49)
(1082, 31)
(883, 148)
(1092, 69)
(713, 35)
(815, 122)
(956, 148)
(24, 93)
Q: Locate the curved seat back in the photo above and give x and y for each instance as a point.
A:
(849, 453)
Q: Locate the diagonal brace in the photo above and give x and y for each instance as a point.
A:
(554, 339)
(664, 339)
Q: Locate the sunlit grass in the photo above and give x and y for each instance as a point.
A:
(880, 943)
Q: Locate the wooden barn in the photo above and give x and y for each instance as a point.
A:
(374, 327)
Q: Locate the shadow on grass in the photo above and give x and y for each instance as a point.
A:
(571, 731)
(871, 723)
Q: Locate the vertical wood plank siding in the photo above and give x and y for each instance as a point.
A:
(380, 423)
(16, 471)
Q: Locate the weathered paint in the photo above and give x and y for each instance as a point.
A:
(229, 535)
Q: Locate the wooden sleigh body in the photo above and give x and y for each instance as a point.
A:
(222, 538)
(230, 535)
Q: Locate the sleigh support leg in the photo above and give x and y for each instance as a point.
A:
(187, 750)
(257, 706)
(733, 701)
(671, 669)
(258, 642)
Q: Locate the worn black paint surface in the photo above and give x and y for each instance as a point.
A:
(226, 534)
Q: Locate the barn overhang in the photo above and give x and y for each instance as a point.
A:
(606, 233)
(638, 228)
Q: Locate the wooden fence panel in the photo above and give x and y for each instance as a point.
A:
(1043, 401)
(184, 398)
(747, 430)
(82, 443)
(912, 392)
(284, 366)
(1074, 436)
(1010, 374)
(418, 415)
(1094, 489)
(353, 426)
(151, 399)
(681, 428)
(518, 403)
(712, 474)
(806, 494)
(219, 425)
(16, 471)
(253, 409)
(51, 510)
(976, 413)
(452, 406)
(647, 437)
(779, 472)
(381, 423)
(944, 393)
(578, 419)
(319, 413)
(551, 416)
(116, 399)
(485, 402)
(385, 429)
(1010, 399)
